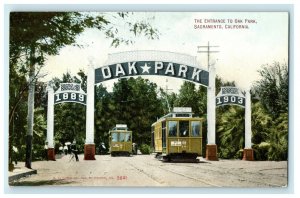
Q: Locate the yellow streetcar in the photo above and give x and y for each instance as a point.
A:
(120, 141)
(177, 136)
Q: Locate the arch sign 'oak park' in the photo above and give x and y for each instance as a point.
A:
(151, 68)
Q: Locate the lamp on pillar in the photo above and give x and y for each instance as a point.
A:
(248, 153)
(50, 124)
(89, 147)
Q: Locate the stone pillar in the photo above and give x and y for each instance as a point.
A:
(89, 147)
(50, 124)
(248, 151)
(211, 147)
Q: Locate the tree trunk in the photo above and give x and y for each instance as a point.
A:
(30, 114)
(28, 151)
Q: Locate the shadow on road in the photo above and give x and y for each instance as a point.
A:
(39, 182)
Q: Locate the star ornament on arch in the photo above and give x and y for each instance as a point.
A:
(145, 68)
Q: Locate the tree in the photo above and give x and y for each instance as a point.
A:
(272, 93)
(167, 100)
(272, 90)
(17, 110)
(230, 131)
(136, 104)
(39, 133)
(104, 114)
(188, 97)
(202, 101)
(35, 35)
(261, 123)
(278, 139)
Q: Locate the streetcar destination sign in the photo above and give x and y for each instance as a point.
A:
(230, 95)
(70, 92)
(151, 68)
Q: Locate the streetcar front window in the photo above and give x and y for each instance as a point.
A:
(195, 128)
(183, 128)
(172, 127)
(127, 137)
(114, 137)
(122, 137)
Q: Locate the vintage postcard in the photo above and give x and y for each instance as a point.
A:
(148, 99)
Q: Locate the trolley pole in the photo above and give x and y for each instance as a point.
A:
(211, 147)
(167, 89)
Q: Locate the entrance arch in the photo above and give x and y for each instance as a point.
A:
(67, 92)
(234, 96)
(161, 63)
(138, 63)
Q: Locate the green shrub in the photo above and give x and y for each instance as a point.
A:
(145, 149)
(261, 151)
(239, 154)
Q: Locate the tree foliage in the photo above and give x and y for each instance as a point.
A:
(272, 92)
(190, 96)
(48, 32)
(231, 132)
(137, 105)
(272, 89)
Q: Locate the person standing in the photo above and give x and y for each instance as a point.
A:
(102, 148)
(74, 150)
(60, 149)
(66, 149)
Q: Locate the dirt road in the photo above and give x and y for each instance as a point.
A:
(145, 170)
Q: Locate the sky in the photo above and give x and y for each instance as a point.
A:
(241, 52)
